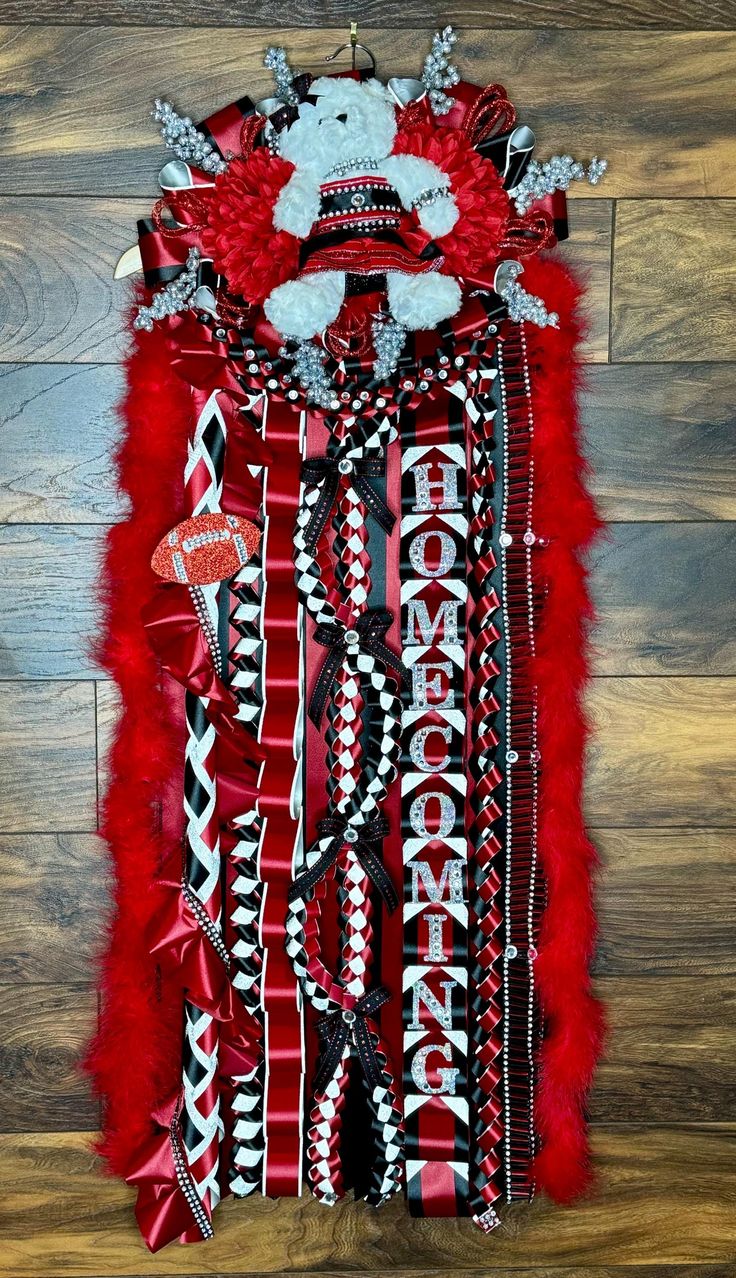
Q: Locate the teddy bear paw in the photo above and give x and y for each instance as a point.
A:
(422, 301)
(438, 218)
(306, 307)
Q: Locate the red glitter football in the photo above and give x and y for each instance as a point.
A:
(205, 548)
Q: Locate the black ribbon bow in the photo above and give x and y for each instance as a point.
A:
(366, 632)
(336, 1029)
(326, 471)
(289, 112)
(362, 839)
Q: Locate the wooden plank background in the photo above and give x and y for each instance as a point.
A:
(651, 86)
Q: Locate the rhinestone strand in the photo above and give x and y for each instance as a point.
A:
(360, 164)
(529, 541)
(205, 620)
(503, 543)
(430, 195)
(205, 922)
(186, 1183)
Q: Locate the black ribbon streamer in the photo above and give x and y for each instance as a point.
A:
(373, 832)
(336, 1029)
(326, 471)
(368, 629)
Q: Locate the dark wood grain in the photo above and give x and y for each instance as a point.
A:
(107, 713)
(49, 612)
(666, 903)
(613, 14)
(53, 907)
(588, 252)
(47, 757)
(662, 440)
(662, 607)
(663, 752)
(58, 428)
(42, 1038)
(545, 1271)
(667, 1058)
(674, 280)
(651, 1181)
(658, 105)
(59, 301)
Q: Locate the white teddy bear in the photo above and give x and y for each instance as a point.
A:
(348, 133)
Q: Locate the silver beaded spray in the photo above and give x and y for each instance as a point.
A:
(388, 340)
(522, 305)
(309, 368)
(554, 174)
(439, 73)
(186, 141)
(175, 296)
(277, 62)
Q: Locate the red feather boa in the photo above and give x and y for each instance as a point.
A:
(564, 512)
(135, 1059)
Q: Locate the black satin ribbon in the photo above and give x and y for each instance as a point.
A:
(511, 164)
(357, 285)
(373, 832)
(370, 626)
(326, 471)
(333, 203)
(335, 1030)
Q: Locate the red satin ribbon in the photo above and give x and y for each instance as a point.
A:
(161, 1209)
(283, 1109)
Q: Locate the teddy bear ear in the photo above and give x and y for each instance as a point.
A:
(323, 84)
(378, 90)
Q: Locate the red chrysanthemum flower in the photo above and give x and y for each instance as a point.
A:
(240, 235)
(473, 244)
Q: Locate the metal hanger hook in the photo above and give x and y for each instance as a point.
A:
(353, 45)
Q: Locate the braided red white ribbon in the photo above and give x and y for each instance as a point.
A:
(201, 1124)
(355, 794)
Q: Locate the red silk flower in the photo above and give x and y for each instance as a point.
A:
(240, 235)
(474, 242)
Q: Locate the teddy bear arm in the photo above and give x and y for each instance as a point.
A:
(412, 174)
(297, 206)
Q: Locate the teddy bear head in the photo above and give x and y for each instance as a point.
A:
(347, 120)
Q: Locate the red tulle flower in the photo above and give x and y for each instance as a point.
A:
(473, 244)
(240, 235)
